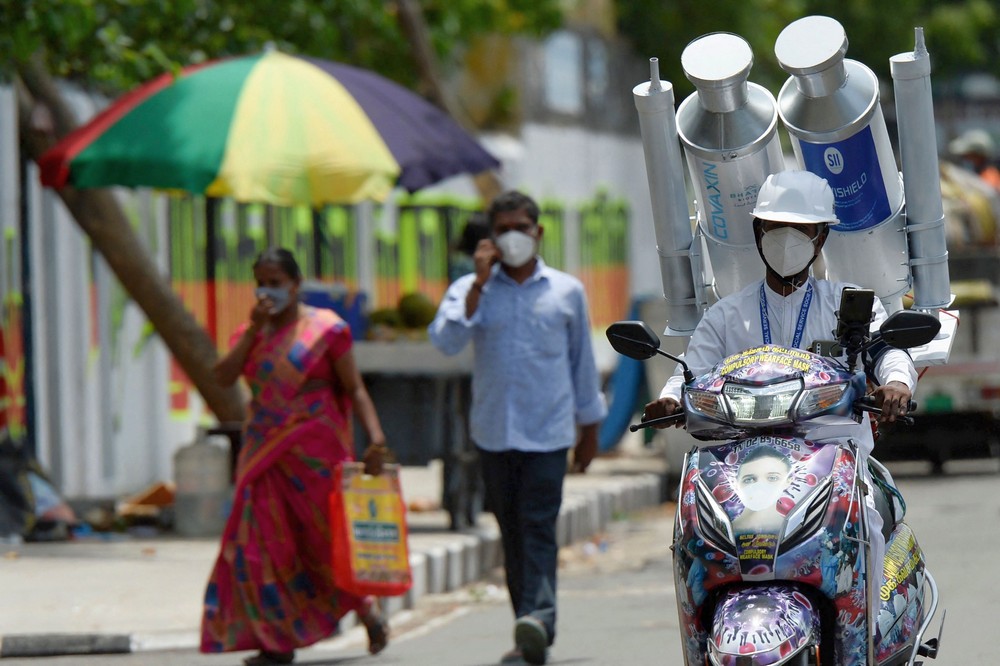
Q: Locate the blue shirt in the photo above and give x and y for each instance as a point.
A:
(534, 375)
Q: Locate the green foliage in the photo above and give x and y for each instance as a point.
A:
(960, 34)
(115, 44)
(963, 36)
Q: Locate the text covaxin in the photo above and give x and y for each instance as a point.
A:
(729, 132)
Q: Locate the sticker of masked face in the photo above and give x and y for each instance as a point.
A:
(760, 480)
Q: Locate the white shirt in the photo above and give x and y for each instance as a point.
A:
(734, 324)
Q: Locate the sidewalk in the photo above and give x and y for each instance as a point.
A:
(124, 594)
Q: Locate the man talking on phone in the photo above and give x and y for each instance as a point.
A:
(792, 218)
(535, 395)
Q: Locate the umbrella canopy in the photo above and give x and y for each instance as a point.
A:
(270, 128)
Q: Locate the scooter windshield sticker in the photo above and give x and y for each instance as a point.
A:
(757, 482)
(768, 363)
(851, 167)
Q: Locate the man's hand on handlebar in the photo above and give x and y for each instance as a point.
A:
(662, 407)
(894, 400)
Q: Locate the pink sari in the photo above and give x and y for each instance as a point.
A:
(271, 588)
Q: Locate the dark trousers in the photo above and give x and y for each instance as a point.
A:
(524, 492)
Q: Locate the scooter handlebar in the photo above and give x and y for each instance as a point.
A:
(660, 420)
(867, 404)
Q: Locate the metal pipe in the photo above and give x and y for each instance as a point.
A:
(911, 76)
(654, 101)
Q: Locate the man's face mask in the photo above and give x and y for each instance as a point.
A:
(280, 297)
(787, 250)
(761, 482)
(516, 248)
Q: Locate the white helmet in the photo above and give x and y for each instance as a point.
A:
(795, 197)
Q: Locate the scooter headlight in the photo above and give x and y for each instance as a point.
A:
(761, 404)
(707, 404)
(820, 399)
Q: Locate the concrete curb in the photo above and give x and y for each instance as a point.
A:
(441, 562)
(55, 645)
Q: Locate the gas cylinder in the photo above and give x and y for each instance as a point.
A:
(830, 107)
(203, 494)
(729, 129)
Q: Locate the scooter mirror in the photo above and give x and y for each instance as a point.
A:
(906, 328)
(634, 339)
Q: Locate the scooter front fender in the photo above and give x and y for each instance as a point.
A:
(768, 624)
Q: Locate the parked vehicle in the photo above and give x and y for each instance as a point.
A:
(771, 543)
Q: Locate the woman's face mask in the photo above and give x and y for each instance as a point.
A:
(787, 250)
(280, 297)
(516, 248)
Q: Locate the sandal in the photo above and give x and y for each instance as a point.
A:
(377, 626)
(265, 658)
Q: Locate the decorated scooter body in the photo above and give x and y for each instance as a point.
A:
(771, 555)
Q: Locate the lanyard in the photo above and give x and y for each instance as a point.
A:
(800, 326)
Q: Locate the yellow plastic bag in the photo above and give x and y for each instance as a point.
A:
(371, 555)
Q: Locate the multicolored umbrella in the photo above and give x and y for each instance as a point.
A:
(269, 128)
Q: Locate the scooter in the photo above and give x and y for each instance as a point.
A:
(771, 540)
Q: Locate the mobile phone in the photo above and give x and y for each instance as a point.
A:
(855, 308)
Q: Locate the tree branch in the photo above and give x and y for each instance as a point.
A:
(414, 27)
(101, 218)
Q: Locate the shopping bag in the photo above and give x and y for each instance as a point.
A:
(371, 555)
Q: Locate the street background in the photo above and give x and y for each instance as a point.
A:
(617, 603)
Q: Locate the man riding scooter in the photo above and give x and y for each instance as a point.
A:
(793, 213)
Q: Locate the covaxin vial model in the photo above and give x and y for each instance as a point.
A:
(729, 129)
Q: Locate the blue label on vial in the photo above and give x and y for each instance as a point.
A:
(852, 169)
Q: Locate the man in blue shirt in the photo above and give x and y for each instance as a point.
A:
(534, 381)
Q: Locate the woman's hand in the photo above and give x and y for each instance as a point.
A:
(374, 457)
(260, 313)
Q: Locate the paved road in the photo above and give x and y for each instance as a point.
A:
(617, 603)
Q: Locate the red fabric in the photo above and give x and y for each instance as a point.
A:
(272, 585)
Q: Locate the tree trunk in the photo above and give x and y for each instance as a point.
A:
(101, 218)
(414, 26)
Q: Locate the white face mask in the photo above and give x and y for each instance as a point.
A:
(787, 250)
(761, 483)
(280, 297)
(760, 496)
(516, 248)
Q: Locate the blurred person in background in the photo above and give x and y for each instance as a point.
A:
(977, 151)
(535, 394)
(970, 188)
(272, 589)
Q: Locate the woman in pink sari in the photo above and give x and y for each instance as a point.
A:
(271, 589)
